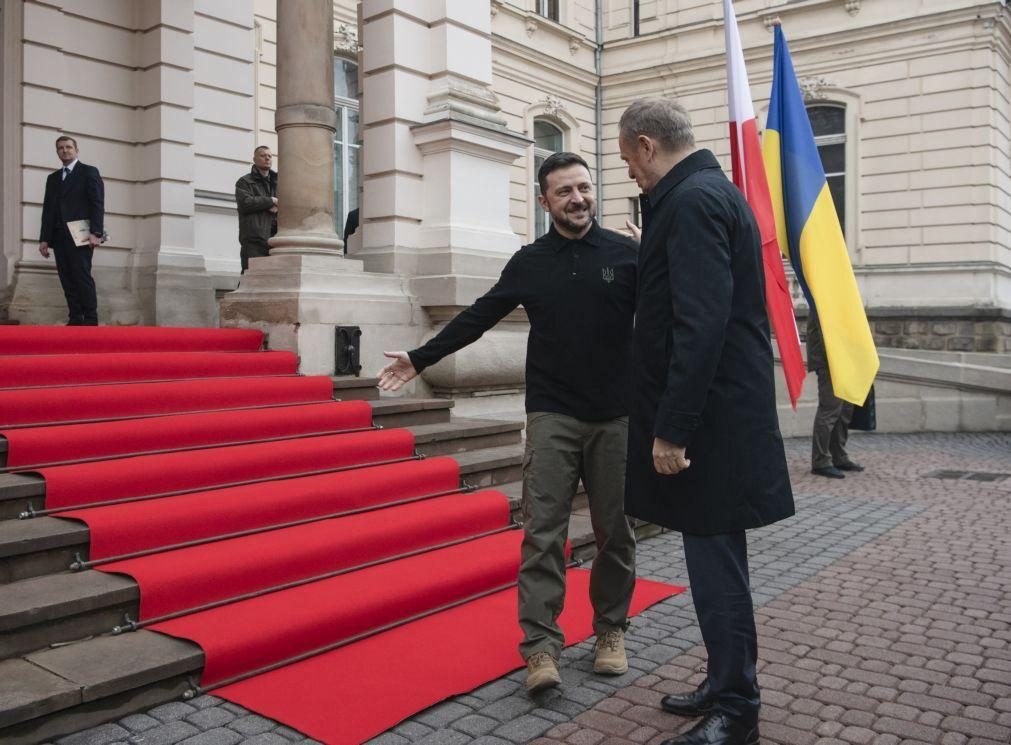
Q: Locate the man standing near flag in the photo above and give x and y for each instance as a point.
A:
(705, 455)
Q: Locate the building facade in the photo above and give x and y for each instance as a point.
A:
(911, 103)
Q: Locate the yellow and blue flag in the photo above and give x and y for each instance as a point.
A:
(809, 233)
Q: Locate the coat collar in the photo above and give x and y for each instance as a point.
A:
(697, 161)
(75, 169)
(271, 174)
(557, 241)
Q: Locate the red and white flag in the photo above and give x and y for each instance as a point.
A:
(749, 176)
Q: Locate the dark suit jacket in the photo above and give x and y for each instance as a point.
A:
(702, 361)
(80, 197)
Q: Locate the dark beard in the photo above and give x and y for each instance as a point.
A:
(566, 224)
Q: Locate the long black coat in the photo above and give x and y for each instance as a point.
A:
(702, 361)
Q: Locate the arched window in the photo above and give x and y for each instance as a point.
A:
(346, 143)
(829, 125)
(547, 140)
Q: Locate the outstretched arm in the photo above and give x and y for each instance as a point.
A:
(465, 329)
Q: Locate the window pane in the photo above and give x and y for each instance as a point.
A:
(837, 187)
(339, 134)
(827, 120)
(547, 136)
(338, 187)
(352, 182)
(345, 78)
(548, 9)
(352, 115)
(833, 158)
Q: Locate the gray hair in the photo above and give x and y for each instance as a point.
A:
(665, 121)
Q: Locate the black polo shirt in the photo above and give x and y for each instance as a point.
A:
(580, 298)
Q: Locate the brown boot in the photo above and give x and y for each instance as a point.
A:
(542, 672)
(609, 653)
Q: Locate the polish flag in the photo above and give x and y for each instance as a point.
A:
(749, 177)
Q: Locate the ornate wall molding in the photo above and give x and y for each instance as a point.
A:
(814, 88)
(852, 7)
(345, 40)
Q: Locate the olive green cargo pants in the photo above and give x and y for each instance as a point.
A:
(560, 451)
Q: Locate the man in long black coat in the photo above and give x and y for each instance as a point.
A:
(705, 455)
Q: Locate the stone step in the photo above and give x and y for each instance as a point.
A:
(44, 545)
(55, 692)
(18, 491)
(63, 689)
(355, 389)
(33, 609)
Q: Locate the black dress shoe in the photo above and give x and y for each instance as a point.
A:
(829, 472)
(850, 466)
(694, 704)
(719, 729)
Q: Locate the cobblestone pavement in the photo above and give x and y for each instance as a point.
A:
(883, 609)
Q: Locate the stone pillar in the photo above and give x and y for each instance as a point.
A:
(305, 287)
(436, 167)
(305, 123)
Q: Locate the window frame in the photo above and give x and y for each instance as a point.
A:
(348, 188)
(836, 138)
(541, 218)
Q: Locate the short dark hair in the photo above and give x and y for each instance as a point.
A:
(63, 138)
(555, 161)
(258, 148)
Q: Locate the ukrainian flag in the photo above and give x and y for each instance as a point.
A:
(809, 233)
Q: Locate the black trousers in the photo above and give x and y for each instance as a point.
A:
(718, 573)
(73, 264)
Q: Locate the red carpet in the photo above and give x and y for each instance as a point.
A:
(386, 678)
(102, 339)
(210, 439)
(36, 406)
(189, 577)
(124, 478)
(81, 369)
(72, 442)
(139, 526)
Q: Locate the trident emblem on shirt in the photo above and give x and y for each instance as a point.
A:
(608, 273)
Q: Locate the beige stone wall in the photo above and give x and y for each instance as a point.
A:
(168, 98)
(926, 89)
(543, 69)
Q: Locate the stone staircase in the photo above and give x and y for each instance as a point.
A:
(61, 668)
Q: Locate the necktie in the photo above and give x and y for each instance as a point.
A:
(66, 172)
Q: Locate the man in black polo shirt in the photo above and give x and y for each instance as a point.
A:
(577, 285)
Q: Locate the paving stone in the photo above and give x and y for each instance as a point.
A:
(267, 738)
(139, 722)
(524, 728)
(211, 717)
(216, 736)
(169, 733)
(102, 735)
(171, 711)
(445, 737)
(252, 724)
(476, 724)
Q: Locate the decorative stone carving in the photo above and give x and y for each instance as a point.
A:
(345, 39)
(553, 104)
(531, 27)
(852, 7)
(494, 9)
(574, 43)
(771, 21)
(812, 88)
